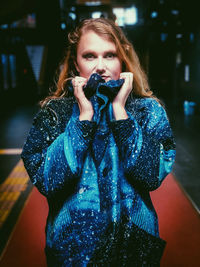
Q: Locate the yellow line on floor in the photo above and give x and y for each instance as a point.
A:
(11, 189)
(11, 151)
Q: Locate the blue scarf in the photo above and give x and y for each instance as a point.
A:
(101, 94)
(96, 85)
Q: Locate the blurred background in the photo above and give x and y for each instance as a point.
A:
(33, 40)
(165, 34)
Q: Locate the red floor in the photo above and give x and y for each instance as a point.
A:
(179, 226)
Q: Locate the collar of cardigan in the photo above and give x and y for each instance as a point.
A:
(96, 85)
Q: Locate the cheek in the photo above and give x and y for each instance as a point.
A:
(85, 69)
(116, 69)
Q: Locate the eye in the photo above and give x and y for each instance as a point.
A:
(110, 55)
(89, 56)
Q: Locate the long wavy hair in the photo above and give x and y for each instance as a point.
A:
(108, 30)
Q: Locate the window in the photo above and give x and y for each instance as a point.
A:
(126, 16)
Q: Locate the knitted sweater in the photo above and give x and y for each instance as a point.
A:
(97, 176)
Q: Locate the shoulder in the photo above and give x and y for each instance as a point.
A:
(146, 108)
(60, 104)
(144, 105)
(55, 111)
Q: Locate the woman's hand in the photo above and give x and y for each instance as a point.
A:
(120, 99)
(85, 106)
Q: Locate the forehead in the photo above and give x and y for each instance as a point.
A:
(92, 40)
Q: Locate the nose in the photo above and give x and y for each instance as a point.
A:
(100, 67)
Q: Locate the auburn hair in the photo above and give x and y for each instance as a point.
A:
(107, 29)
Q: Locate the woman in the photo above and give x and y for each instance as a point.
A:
(96, 149)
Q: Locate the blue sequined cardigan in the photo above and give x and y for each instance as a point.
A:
(96, 176)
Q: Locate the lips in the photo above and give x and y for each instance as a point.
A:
(105, 77)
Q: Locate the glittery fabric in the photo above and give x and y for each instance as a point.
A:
(97, 176)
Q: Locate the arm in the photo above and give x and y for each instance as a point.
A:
(52, 156)
(146, 146)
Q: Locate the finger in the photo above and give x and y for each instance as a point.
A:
(128, 77)
(78, 80)
(78, 88)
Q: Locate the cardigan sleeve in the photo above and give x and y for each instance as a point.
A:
(146, 145)
(53, 157)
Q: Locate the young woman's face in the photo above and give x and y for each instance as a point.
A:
(97, 55)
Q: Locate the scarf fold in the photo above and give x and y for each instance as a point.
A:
(96, 85)
(101, 94)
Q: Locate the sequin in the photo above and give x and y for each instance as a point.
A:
(97, 176)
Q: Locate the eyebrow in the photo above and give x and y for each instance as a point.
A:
(89, 51)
